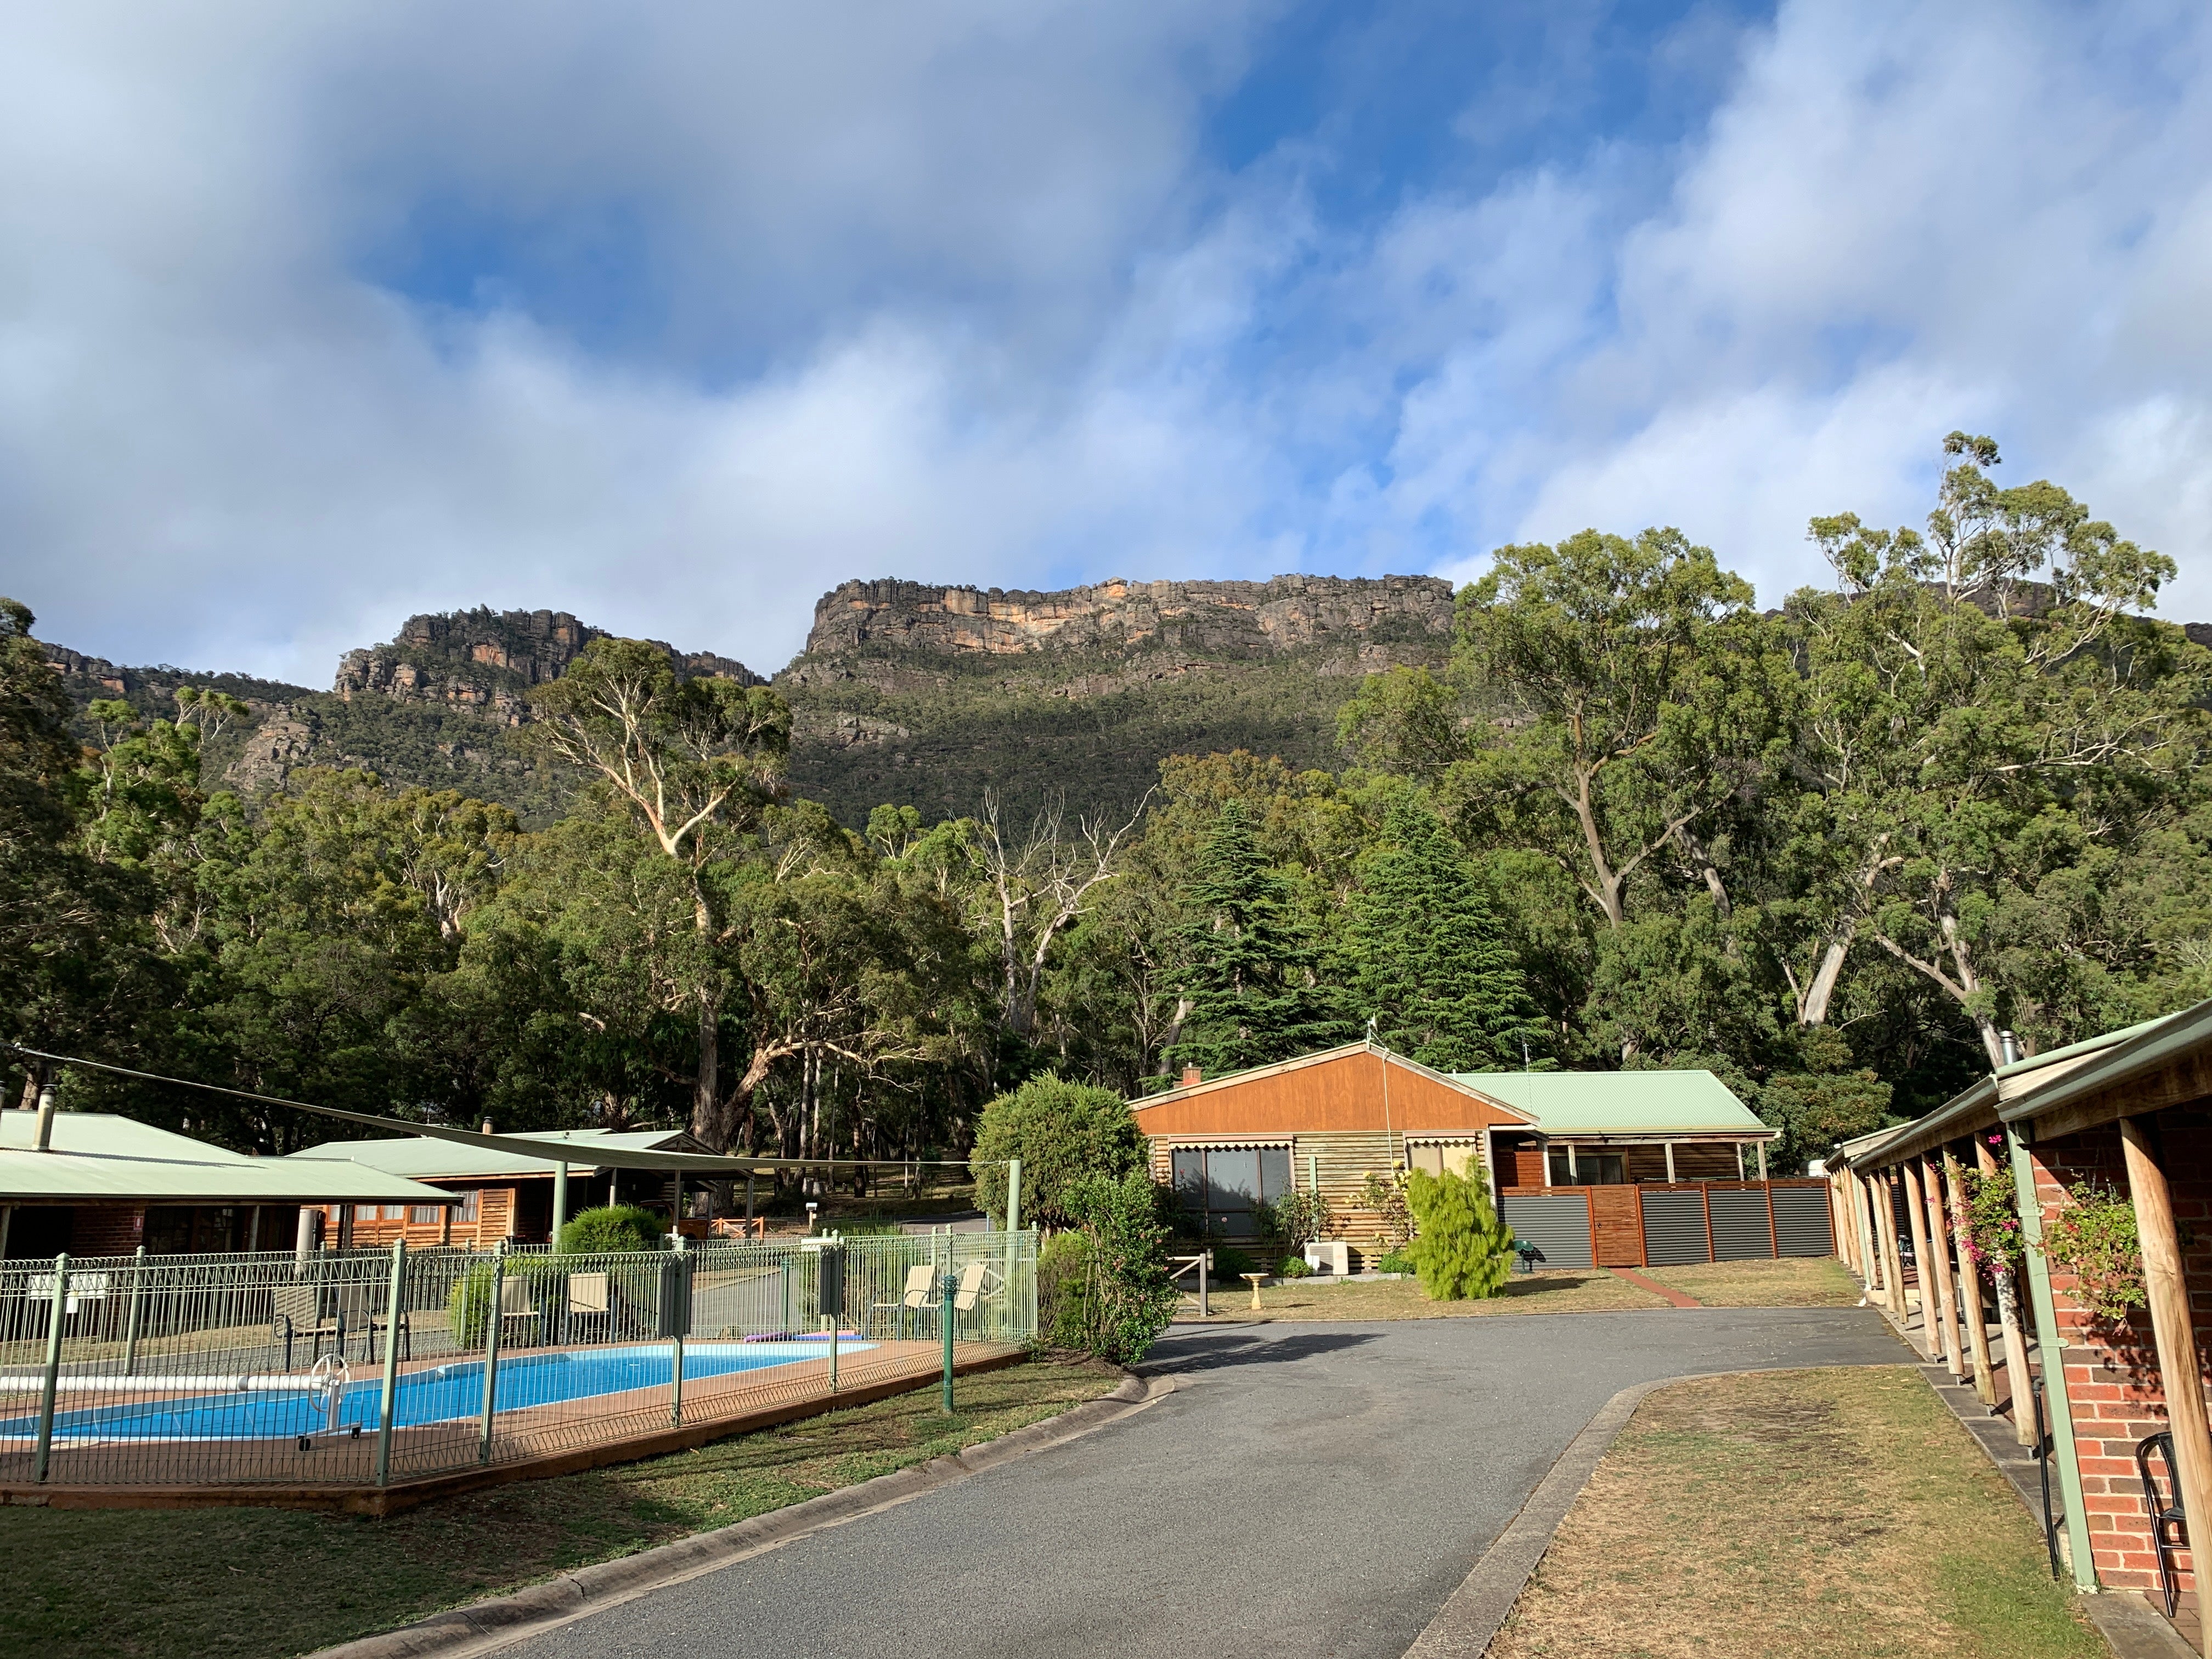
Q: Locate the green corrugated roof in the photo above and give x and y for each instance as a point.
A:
(1625, 1103)
(95, 1156)
(422, 1157)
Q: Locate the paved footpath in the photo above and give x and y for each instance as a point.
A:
(1308, 1490)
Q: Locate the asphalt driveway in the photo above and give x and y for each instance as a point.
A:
(1309, 1490)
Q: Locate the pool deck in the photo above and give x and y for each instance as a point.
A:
(436, 1460)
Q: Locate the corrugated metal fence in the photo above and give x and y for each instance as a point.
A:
(1712, 1221)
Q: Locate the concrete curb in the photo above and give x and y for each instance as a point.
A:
(485, 1627)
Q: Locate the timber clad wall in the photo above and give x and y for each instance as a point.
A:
(2111, 1370)
(1333, 1097)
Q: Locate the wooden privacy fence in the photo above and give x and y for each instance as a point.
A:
(1654, 1226)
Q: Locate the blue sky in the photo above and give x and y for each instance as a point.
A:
(677, 316)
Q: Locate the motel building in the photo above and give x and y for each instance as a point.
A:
(1595, 1168)
(490, 1193)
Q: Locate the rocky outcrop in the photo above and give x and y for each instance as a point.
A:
(1210, 619)
(485, 661)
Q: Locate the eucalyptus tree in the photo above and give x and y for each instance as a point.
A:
(695, 761)
(1989, 721)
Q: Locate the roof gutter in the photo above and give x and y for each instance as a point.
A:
(2165, 1041)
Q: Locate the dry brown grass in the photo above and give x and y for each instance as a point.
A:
(1784, 1512)
(1794, 1282)
(1579, 1290)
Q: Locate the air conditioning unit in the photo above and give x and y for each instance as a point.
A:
(1329, 1256)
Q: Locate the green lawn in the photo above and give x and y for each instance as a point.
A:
(1840, 1510)
(1793, 1282)
(1568, 1290)
(109, 1584)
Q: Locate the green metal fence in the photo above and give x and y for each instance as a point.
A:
(365, 1367)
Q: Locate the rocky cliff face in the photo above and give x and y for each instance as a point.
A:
(485, 661)
(1229, 619)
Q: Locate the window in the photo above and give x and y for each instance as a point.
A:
(422, 1215)
(1590, 1169)
(1220, 1187)
(468, 1210)
(1459, 1157)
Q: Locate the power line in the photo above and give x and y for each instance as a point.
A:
(553, 1151)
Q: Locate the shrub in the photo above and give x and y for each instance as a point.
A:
(1387, 1199)
(468, 1304)
(1294, 1220)
(1459, 1249)
(1394, 1261)
(1061, 1132)
(1128, 1298)
(1063, 1287)
(1229, 1262)
(1990, 1235)
(608, 1229)
(2094, 1238)
(1293, 1267)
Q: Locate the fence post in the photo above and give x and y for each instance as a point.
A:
(52, 1383)
(130, 1324)
(1204, 1262)
(833, 1322)
(492, 1322)
(391, 1392)
(1014, 1195)
(945, 1286)
(684, 1311)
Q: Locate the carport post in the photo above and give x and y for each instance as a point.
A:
(1970, 1287)
(1915, 1213)
(2007, 1283)
(1939, 1254)
(560, 1201)
(50, 1386)
(1761, 1150)
(2172, 1329)
(2069, 1457)
(1670, 1163)
(390, 1393)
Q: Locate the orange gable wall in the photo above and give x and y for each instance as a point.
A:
(1335, 1094)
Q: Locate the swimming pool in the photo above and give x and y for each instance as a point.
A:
(440, 1394)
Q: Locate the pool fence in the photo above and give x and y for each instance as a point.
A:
(373, 1369)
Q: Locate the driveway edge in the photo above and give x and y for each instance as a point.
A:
(1465, 1625)
(484, 1626)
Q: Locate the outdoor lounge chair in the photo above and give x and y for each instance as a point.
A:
(2169, 1526)
(920, 1292)
(591, 1299)
(976, 1278)
(515, 1307)
(305, 1310)
(361, 1307)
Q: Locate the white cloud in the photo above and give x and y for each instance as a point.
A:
(952, 293)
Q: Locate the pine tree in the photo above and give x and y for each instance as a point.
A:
(1253, 987)
(1427, 961)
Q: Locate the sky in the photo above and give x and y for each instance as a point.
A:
(676, 316)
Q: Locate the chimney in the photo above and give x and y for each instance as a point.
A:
(1191, 1075)
(487, 1127)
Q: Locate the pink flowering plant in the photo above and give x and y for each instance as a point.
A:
(1991, 1234)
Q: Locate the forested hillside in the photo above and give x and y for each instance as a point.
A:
(1605, 811)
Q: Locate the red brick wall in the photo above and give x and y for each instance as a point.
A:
(107, 1229)
(2112, 1371)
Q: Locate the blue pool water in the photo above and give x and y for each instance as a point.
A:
(435, 1394)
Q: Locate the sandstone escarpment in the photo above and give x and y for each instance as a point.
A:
(485, 661)
(1209, 619)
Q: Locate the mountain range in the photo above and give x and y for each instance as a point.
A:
(905, 693)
